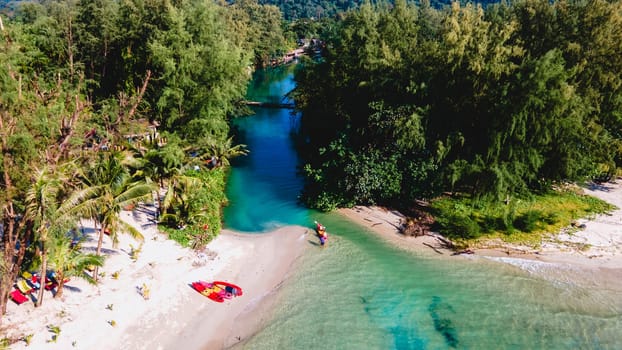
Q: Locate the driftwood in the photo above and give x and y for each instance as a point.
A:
(464, 251)
(444, 241)
(412, 227)
(433, 248)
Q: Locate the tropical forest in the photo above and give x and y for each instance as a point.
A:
(103, 104)
(491, 112)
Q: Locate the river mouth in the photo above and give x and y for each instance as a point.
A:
(361, 293)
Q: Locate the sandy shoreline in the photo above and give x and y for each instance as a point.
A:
(594, 251)
(175, 316)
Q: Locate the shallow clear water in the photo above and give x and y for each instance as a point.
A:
(359, 293)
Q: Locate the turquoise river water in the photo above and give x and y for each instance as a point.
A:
(361, 293)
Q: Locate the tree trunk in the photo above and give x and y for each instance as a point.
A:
(60, 279)
(12, 258)
(5, 280)
(100, 241)
(43, 273)
(159, 209)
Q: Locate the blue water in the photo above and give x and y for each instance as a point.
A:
(263, 187)
(360, 293)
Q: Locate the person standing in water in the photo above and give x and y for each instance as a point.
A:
(321, 232)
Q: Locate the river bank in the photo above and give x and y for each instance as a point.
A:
(115, 315)
(594, 245)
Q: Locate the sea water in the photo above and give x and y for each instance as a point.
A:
(360, 293)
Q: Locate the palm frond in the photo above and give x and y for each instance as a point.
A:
(133, 232)
(137, 192)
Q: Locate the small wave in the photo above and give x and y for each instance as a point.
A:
(561, 275)
(531, 265)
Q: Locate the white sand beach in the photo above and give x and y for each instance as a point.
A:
(175, 315)
(386, 224)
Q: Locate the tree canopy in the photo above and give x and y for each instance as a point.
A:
(494, 102)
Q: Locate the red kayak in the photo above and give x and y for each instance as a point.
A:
(218, 290)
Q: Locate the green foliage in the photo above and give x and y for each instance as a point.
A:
(134, 252)
(361, 175)
(181, 236)
(106, 188)
(496, 102)
(322, 9)
(532, 220)
(184, 54)
(68, 260)
(258, 29)
(193, 210)
(314, 9)
(27, 339)
(467, 218)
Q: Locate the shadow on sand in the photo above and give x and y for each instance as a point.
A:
(604, 186)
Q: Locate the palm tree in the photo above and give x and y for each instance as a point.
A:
(41, 204)
(217, 152)
(224, 151)
(68, 260)
(177, 206)
(159, 163)
(107, 188)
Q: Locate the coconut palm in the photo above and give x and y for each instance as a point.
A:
(226, 151)
(107, 188)
(67, 260)
(177, 204)
(219, 153)
(159, 162)
(41, 203)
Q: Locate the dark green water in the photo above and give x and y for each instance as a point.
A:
(359, 293)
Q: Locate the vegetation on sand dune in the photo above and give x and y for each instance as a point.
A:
(523, 220)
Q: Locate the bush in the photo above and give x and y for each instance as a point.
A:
(465, 217)
(459, 226)
(529, 221)
(490, 223)
(181, 236)
(550, 218)
(324, 202)
(506, 221)
(187, 221)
